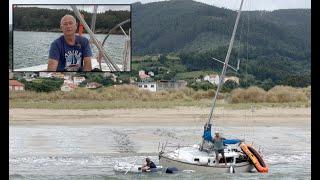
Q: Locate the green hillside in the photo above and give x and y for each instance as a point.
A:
(183, 26)
(44, 19)
(274, 46)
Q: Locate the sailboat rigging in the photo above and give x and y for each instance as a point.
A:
(202, 159)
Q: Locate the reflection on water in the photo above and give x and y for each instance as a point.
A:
(32, 48)
(70, 152)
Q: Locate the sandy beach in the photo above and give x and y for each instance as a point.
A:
(289, 117)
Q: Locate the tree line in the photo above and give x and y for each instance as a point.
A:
(44, 19)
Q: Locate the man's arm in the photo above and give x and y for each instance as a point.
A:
(87, 64)
(52, 65)
(54, 55)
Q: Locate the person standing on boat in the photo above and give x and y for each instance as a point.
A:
(218, 147)
(69, 52)
(149, 165)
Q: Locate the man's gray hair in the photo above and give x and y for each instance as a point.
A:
(68, 15)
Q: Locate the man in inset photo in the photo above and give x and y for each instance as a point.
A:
(69, 52)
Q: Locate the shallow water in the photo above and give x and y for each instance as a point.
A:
(89, 152)
(32, 48)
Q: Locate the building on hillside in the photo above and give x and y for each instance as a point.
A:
(162, 85)
(30, 76)
(112, 76)
(58, 75)
(45, 74)
(67, 81)
(150, 86)
(51, 75)
(66, 87)
(78, 79)
(150, 73)
(167, 85)
(15, 85)
(67, 77)
(143, 76)
(212, 78)
(93, 85)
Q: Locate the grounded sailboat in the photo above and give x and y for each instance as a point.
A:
(240, 157)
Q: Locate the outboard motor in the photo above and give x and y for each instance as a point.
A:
(231, 170)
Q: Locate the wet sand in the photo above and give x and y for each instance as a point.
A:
(289, 117)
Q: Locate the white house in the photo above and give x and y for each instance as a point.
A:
(68, 87)
(112, 76)
(30, 76)
(143, 75)
(78, 79)
(150, 73)
(15, 85)
(45, 74)
(150, 86)
(168, 85)
(67, 81)
(212, 78)
(51, 75)
(67, 77)
(93, 85)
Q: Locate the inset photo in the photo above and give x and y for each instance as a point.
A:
(71, 38)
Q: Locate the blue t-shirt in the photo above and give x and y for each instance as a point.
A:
(70, 58)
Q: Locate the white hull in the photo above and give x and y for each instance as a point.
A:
(191, 158)
(221, 168)
(94, 64)
(132, 168)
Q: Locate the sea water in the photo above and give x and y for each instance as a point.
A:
(32, 48)
(90, 152)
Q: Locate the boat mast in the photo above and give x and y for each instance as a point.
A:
(225, 64)
(113, 66)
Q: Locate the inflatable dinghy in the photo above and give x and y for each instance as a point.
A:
(133, 168)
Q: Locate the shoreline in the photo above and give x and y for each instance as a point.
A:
(178, 116)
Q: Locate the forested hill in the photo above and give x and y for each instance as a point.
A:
(278, 50)
(184, 26)
(44, 19)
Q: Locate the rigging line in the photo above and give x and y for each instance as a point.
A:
(95, 41)
(247, 60)
(226, 61)
(246, 68)
(239, 50)
(241, 37)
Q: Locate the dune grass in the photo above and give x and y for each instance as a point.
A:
(127, 97)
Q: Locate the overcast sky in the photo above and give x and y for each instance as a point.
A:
(268, 5)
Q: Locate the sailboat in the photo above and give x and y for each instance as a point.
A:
(240, 157)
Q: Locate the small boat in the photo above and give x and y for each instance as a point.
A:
(192, 158)
(255, 157)
(124, 167)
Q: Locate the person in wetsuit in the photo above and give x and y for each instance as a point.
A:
(148, 165)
